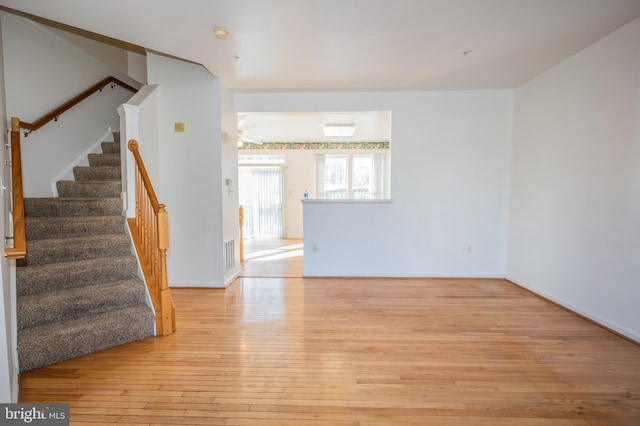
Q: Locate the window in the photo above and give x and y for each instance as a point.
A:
(362, 177)
(351, 176)
(335, 176)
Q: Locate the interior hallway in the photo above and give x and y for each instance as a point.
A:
(272, 258)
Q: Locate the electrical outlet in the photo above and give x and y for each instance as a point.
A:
(469, 250)
(315, 248)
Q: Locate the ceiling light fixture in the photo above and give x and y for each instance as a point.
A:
(220, 33)
(339, 129)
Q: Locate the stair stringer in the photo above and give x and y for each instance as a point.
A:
(81, 160)
(141, 276)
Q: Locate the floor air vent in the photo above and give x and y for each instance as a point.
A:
(229, 255)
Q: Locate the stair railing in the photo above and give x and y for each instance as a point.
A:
(150, 234)
(19, 249)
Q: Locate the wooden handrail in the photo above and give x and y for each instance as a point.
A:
(19, 249)
(150, 234)
(55, 113)
(133, 147)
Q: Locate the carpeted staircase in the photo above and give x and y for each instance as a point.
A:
(77, 290)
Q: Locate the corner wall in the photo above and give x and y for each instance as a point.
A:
(574, 223)
(190, 169)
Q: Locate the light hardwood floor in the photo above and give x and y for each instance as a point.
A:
(273, 258)
(357, 352)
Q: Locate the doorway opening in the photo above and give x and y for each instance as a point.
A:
(261, 193)
(320, 155)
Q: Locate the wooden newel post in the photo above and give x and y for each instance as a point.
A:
(167, 320)
(19, 249)
(241, 211)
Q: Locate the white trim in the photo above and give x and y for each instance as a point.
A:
(14, 330)
(345, 200)
(417, 277)
(230, 280)
(195, 284)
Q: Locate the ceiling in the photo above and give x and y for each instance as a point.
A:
(319, 45)
(316, 45)
(370, 126)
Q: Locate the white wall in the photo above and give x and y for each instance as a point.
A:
(111, 55)
(449, 180)
(190, 162)
(137, 66)
(44, 72)
(574, 225)
(117, 56)
(8, 356)
(229, 168)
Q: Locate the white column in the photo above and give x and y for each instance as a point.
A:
(129, 129)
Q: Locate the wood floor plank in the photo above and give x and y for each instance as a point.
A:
(356, 352)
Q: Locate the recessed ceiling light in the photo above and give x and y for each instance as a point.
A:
(220, 33)
(339, 129)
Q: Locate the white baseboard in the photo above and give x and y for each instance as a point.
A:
(615, 328)
(230, 279)
(194, 284)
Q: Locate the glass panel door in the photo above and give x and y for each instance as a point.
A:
(261, 196)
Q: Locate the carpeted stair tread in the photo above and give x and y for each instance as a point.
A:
(56, 306)
(37, 207)
(101, 160)
(82, 336)
(110, 147)
(76, 248)
(59, 276)
(39, 228)
(97, 173)
(89, 189)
